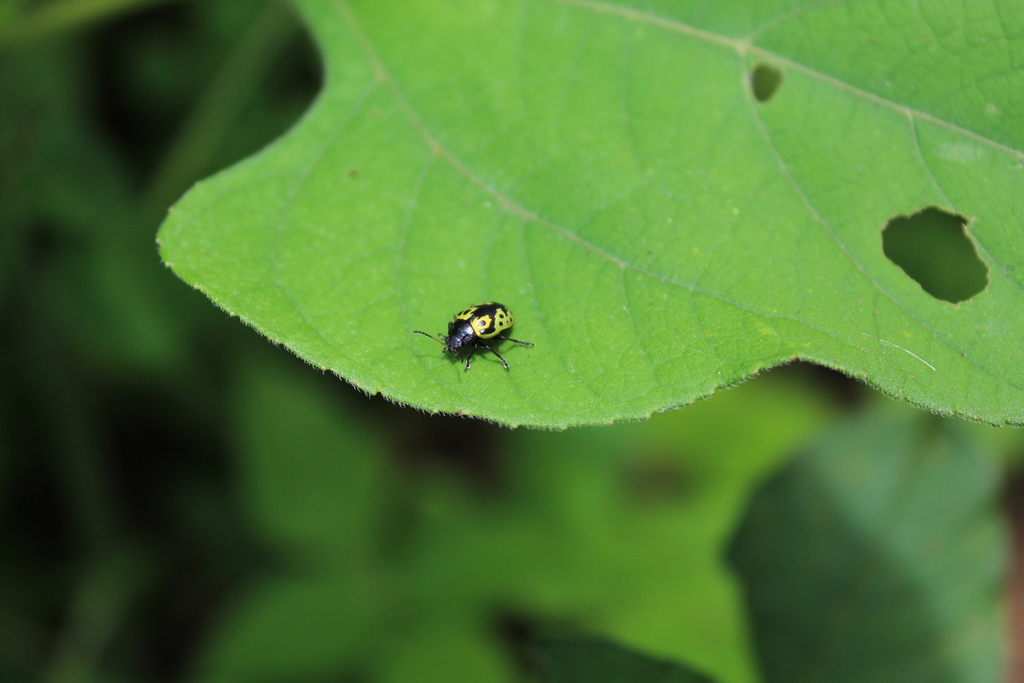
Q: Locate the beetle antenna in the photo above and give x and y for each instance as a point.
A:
(429, 335)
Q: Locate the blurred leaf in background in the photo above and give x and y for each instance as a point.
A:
(879, 555)
(585, 660)
(409, 577)
(114, 505)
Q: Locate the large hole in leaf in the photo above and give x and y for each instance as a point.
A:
(933, 248)
(765, 81)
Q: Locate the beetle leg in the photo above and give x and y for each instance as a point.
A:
(485, 346)
(515, 340)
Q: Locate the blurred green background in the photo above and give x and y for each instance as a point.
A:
(180, 500)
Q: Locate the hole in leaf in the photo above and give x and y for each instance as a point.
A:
(933, 248)
(765, 81)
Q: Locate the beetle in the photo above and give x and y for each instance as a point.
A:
(475, 324)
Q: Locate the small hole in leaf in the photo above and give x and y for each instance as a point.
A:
(765, 81)
(933, 248)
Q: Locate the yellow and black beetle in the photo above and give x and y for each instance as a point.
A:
(471, 326)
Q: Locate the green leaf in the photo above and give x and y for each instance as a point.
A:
(878, 556)
(607, 172)
(591, 660)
